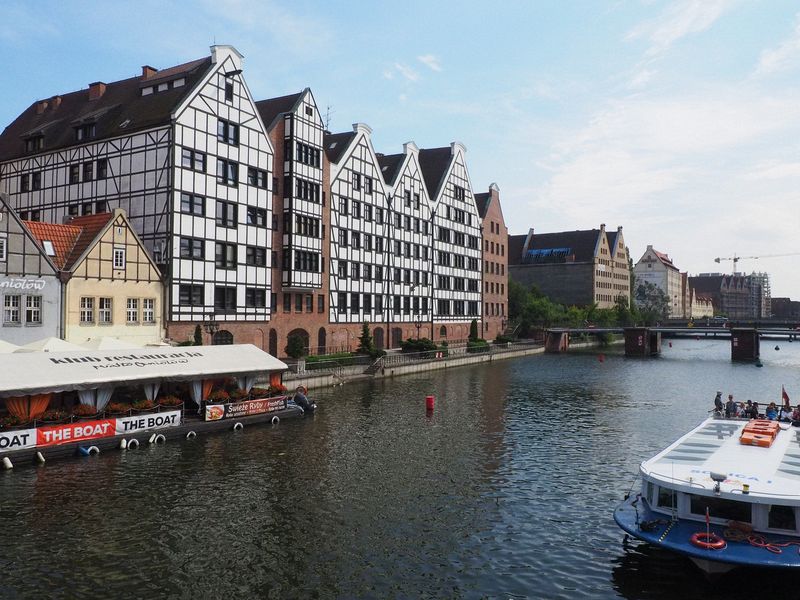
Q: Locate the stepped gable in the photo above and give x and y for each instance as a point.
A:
(115, 109)
(434, 163)
(336, 143)
(390, 166)
(271, 108)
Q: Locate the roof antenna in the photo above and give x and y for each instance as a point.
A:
(328, 113)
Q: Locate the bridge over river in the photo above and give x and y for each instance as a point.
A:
(646, 341)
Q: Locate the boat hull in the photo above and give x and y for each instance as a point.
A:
(675, 536)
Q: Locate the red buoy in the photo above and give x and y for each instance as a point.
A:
(601, 357)
(670, 344)
(429, 402)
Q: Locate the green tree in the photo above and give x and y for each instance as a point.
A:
(652, 302)
(366, 345)
(473, 330)
(295, 347)
(198, 335)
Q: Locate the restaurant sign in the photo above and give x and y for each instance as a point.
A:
(17, 440)
(215, 412)
(82, 431)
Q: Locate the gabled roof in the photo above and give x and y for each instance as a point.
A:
(581, 244)
(336, 143)
(271, 108)
(482, 201)
(434, 163)
(71, 240)
(119, 110)
(515, 245)
(390, 166)
(665, 259)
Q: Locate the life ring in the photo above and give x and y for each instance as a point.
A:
(94, 450)
(191, 435)
(160, 439)
(276, 420)
(709, 541)
(133, 443)
(238, 427)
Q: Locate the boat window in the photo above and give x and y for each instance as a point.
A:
(719, 508)
(782, 517)
(649, 493)
(667, 498)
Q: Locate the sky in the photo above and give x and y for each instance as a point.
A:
(677, 119)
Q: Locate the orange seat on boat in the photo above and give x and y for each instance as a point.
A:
(759, 432)
(754, 439)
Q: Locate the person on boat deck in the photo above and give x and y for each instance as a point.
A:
(753, 413)
(730, 407)
(785, 413)
(772, 411)
(300, 397)
(796, 414)
(718, 403)
(741, 411)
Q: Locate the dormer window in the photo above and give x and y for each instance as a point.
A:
(48, 248)
(34, 144)
(85, 132)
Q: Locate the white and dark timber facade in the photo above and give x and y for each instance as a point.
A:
(257, 215)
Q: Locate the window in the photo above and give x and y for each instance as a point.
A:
(32, 144)
(341, 305)
(36, 215)
(287, 303)
(104, 310)
(85, 132)
(192, 248)
(367, 185)
(3, 247)
(309, 300)
(88, 171)
(343, 238)
(194, 160)
(355, 240)
(87, 309)
(256, 216)
(356, 209)
(355, 302)
(228, 90)
(226, 214)
(74, 173)
(148, 310)
(782, 517)
(11, 309)
(460, 193)
(256, 256)
(36, 180)
(102, 168)
(416, 204)
(227, 132)
(256, 177)
(720, 508)
(86, 208)
(407, 198)
(227, 172)
(298, 303)
(33, 310)
(356, 182)
(224, 298)
(308, 155)
(255, 298)
(193, 205)
(225, 255)
(320, 303)
(343, 205)
(24, 182)
(100, 206)
(132, 310)
(342, 266)
(190, 295)
(355, 271)
(119, 258)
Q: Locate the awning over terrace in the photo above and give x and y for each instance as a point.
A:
(41, 372)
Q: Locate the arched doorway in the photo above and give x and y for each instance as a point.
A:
(397, 337)
(222, 338)
(378, 337)
(322, 340)
(443, 332)
(273, 342)
(300, 334)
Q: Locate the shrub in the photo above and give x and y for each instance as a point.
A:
(11, 421)
(479, 345)
(420, 345)
(84, 410)
(238, 394)
(144, 404)
(198, 335)
(473, 330)
(295, 347)
(118, 408)
(258, 392)
(219, 396)
(170, 401)
(54, 414)
(503, 339)
(366, 345)
(277, 390)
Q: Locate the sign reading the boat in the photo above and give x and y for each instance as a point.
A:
(133, 424)
(214, 412)
(18, 440)
(75, 432)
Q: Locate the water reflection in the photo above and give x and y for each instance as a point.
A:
(505, 490)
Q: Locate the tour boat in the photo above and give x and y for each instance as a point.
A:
(726, 494)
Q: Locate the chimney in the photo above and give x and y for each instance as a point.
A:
(55, 102)
(602, 226)
(148, 71)
(41, 106)
(96, 90)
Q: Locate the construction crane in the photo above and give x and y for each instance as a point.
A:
(736, 259)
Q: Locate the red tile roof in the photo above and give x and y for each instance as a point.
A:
(70, 240)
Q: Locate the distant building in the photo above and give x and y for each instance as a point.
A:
(735, 296)
(657, 268)
(495, 262)
(572, 267)
(785, 308)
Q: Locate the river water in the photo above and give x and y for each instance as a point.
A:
(505, 491)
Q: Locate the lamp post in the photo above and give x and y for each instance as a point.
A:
(211, 326)
(418, 322)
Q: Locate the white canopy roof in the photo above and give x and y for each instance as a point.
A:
(110, 343)
(49, 344)
(7, 347)
(39, 372)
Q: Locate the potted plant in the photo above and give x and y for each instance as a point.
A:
(11, 421)
(258, 392)
(54, 415)
(170, 402)
(144, 406)
(84, 411)
(118, 408)
(218, 397)
(277, 390)
(238, 395)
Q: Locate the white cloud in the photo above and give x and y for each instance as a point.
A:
(430, 61)
(783, 56)
(406, 71)
(677, 21)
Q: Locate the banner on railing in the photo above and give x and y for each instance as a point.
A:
(82, 431)
(215, 412)
(17, 440)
